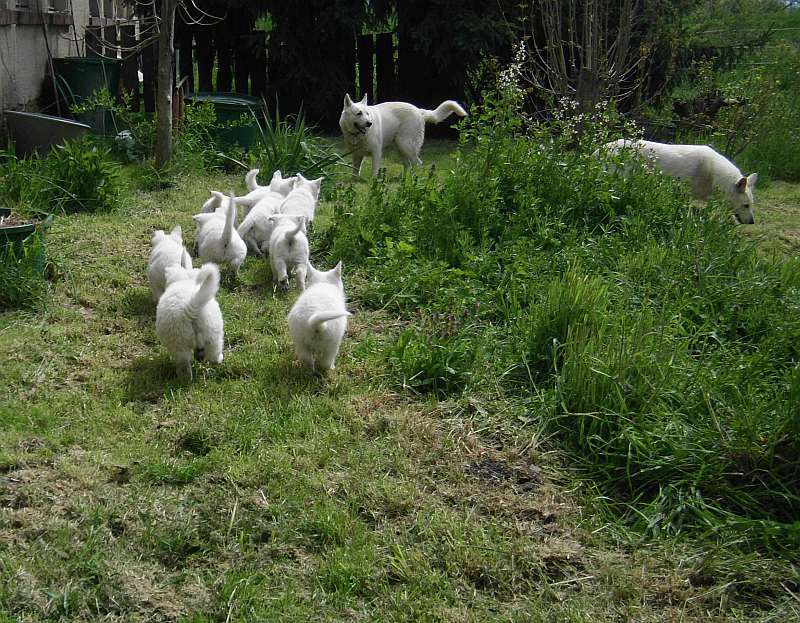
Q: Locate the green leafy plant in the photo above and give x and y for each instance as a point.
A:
(435, 364)
(22, 284)
(82, 177)
(290, 145)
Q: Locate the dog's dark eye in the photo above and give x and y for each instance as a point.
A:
(359, 113)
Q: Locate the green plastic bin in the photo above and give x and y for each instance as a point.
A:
(16, 236)
(230, 107)
(79, 77)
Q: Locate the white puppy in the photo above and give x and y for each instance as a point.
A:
(318, 319)
(302, 200)
(278, 183)
(288, 249)
(371, 129)
(168, 250)
(217, 238)
(256, 227)
(702, 167)
(188, 317)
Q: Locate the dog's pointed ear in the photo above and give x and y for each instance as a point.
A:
(277, 175)
(741, 184)
(752, 179)
(347, 101)
(364, 100)
(177, 233)
(338, 269)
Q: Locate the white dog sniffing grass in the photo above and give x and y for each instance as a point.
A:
(302, 200)
(217, 238)
(702, 167)
(168, 250)
(371, 129)
(188, 317)
(318, 319)
(288, 249)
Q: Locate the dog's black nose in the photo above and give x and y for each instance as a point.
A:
(369, 124)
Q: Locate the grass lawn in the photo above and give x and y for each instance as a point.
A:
(262, 492)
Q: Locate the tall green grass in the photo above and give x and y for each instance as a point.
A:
(643, 331)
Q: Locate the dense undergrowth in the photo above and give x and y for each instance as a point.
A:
(644, 332)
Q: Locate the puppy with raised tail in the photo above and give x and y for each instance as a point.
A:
(188, 316)
(318, 319)
(288, 249)
(278, 188)
(302, 200)
(217, 238)
(278, 184)
(371, 129)
(256, 227)
(168, 250)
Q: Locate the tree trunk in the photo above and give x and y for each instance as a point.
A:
(165, 74)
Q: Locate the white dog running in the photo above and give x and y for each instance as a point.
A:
(371, 129)
(188, 316)
(318, 319)
(168, 250)
(700, 166)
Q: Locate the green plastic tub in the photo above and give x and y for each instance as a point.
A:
(16, 235)
(233, 107)
(79, 77)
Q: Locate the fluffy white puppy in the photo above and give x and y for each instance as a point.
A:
(371, 129)
(188, 316)
(217, 239)
(702, 167)
(302, 200)
(288, 249)
(256, 227)
(318, 319)
(278, 183)
(168, 250)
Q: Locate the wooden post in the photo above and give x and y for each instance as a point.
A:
(222, 38)
(166, 73)
(205, 59)
(366, 48)
(183, 43)
(384, 68)
(130, 65)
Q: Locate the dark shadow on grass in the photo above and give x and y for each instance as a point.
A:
(137, 304)
(149, 379)
(289, 379)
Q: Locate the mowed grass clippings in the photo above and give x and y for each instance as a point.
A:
(263, 492)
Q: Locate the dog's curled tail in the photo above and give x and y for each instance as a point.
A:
(230, 221)
(213, 202)
(318, 318)
(246, 225)
(289, 235)
(186, 260)
(208, 281)
(443, 111)
(250, 179)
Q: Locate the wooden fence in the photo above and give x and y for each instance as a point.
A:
(232, 56)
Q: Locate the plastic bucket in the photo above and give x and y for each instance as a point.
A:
(79, 77)
(232, 107)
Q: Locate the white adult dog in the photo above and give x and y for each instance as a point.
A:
(371, 129)
(702, 167)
